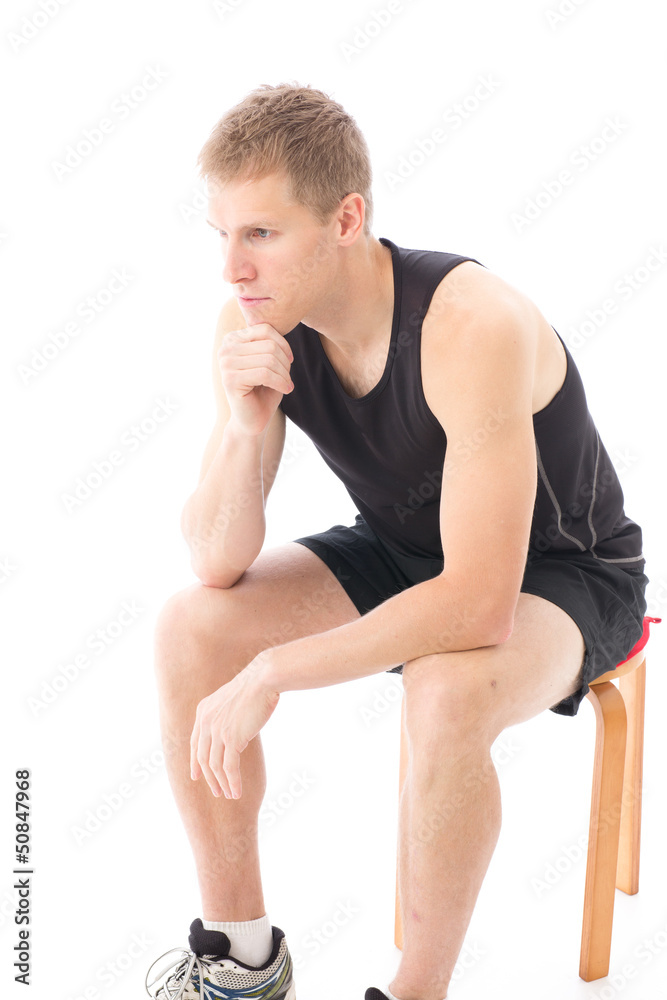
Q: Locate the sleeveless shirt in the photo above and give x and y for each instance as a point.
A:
(388, 448)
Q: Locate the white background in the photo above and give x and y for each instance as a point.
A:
(135, 204)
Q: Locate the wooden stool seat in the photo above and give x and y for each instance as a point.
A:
(615, 821)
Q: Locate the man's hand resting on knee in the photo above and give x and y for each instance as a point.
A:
(226, 721)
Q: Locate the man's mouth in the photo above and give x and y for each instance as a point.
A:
(249, 300)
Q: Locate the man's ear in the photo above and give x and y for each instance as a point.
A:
(350, 218)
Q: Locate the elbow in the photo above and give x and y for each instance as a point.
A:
(500, 618)
(487, 636)
(479, 618)
(502, 633)
(487, 626)
(207, 569)
(212, 576)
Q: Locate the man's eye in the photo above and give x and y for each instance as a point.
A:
(263, 233)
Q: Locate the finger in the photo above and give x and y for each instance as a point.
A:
(203, 755)
(263, 360)
(253, 367)
(252, 377)
(275, 343)
(232, 765)
(256, 334)
(266, 356)
(216, 764)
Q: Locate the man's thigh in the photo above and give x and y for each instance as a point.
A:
(492, 687)
(288, 592)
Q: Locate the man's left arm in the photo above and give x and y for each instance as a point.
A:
(486, 358)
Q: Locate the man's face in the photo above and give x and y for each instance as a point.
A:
(277, 257)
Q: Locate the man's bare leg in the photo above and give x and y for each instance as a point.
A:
(204, 636)
(450, 812)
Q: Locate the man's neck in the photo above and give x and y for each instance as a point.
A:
(357, 316)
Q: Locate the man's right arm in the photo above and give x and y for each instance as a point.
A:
(223, 520)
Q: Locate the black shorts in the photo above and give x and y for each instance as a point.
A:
(607, 603)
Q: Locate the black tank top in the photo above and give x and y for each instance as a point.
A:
(388, 448)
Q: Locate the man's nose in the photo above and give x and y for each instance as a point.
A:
(237, 264)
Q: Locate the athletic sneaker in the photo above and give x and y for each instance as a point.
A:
(208, 972)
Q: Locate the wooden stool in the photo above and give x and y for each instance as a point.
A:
(615, 823)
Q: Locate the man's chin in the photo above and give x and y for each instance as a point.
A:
(260, 314)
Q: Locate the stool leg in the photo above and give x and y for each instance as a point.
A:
(605, 821)
(632, 686)
(402, 771)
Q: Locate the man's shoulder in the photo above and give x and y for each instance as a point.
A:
(474, 318)
(472, 292)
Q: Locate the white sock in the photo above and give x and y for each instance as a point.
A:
(251, 941)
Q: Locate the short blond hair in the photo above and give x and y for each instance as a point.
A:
(299, 131)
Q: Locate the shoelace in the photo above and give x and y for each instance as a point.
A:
(175, 986)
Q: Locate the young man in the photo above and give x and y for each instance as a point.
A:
(491, 561)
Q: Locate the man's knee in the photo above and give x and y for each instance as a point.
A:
(446, 702)
(191, 625)
(187, 612)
